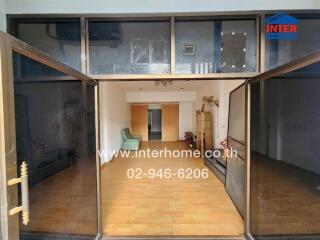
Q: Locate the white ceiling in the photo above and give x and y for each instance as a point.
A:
(133, 86)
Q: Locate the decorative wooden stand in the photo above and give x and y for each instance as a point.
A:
(204, 131)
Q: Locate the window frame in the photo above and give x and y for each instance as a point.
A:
(84, 21)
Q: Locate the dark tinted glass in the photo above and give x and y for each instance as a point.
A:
(133, 47)
(210, 46)
(279, 52)
(285, 166)
(60, 39)
(55, 131)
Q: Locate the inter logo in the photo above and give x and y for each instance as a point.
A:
(281, 27)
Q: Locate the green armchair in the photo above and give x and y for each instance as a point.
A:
(129, 142)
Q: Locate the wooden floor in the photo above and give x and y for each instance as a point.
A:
(285, 199)
(165, 207)
(65, 203)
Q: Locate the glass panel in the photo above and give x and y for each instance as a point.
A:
(285, 166)
(211, 46)
(55, 133)
(60, 39)
(279, 52)
(236, 142)
(133, 47)
(28, 69)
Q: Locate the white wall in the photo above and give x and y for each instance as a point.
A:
(3, 22)
(138, 97)
(114, 116)
(221, 90)
(185, 118)
(152, 6)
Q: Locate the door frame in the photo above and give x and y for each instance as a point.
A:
(150, 111)
(8, 156)
(8, 167)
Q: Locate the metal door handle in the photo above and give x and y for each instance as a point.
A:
(24, 208)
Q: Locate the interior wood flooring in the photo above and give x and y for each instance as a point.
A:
(285, 199)
(165, 207)
(65, 203)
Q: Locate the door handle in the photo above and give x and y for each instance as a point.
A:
(24, 208)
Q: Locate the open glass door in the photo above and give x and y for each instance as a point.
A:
(284, 113)
(51, 175)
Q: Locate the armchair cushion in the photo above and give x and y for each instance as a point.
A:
(129, 142)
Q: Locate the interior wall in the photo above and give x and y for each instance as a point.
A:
(144, 96)
(220, 89)
(149, 6)
(186, 112)
(114, 116)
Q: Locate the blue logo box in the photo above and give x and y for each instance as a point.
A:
(281, 27)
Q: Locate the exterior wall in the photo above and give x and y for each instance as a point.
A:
(152, 6)
(2, 16)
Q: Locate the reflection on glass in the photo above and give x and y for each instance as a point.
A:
(236, 142)
(279, 52)
(133, 47)
(211, 46)
(60, 39)
(55, 133)
(26, 69)
(285, 166)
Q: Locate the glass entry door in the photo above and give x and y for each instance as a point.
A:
(54, 192)
(55, 133)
